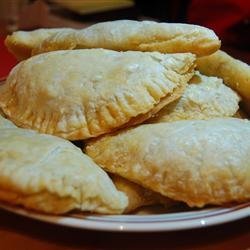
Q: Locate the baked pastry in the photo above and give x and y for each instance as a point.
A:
(204, 98)
(85, 93)
(235, 73)
(195, 161)
(21, 43)
(138, 196)
(123, 35)
(48, 174)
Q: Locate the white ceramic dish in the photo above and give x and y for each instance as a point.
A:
(172, 221)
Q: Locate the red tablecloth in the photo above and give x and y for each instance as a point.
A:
(7, 60)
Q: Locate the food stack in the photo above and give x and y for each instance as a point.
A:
(154, 106)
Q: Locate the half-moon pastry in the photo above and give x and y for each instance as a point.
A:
(80, 94)
(198, 162)
(138, 196)
(204, 98)
(235, 73)
(21, 43)
(123, 35)
(48, 174)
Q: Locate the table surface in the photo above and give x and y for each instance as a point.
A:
(21, 233)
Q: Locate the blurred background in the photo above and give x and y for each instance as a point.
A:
(230, 19)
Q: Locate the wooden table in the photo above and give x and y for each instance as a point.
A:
(20, 233)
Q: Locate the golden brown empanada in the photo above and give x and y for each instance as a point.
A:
(49, 174)
(123, 35)
(198, 162)
(204, 98)
(21, 43)
(235, 73)
(139, 196)
(85, 93)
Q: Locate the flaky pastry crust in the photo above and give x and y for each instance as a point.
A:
(198, 162)
(48, 174)
(85, 93)
(204, 98)
(124, 35)
(235, 73)
(21, 43)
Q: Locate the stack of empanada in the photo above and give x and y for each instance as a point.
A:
(99, 85)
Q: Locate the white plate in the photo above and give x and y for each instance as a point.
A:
(171, 221)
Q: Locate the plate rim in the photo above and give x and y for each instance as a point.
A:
(221, 215)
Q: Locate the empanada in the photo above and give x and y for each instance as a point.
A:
(51, 175)
(21, 43)
(204, 98)
(235, 73)
(195, 161)
(85, 93)
(138, 196)
(123, 35)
